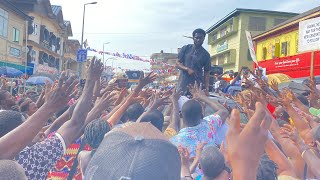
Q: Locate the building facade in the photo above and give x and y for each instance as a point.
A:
(46, 44)
(14, 27)
(228, 46)
(70, 56)
(277, 49)
(166, 74)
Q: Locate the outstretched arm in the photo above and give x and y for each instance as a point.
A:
(284, 165)
(74, 128)
(113, 120)
(216, 106)
(16, 140)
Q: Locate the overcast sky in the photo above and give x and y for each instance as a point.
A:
(143, 27)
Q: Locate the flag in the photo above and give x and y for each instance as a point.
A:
(85, 43)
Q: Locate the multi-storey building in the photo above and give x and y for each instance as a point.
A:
(70, 56)
(14, 28)
(46, 44)
(277, 48)
(228, 46)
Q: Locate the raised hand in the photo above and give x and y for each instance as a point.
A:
(184, 154)
(146, 93)
(158, 101)
(168, 92)
(199, 149)
(287, 97)
(95, 70)
(132, 99)
(110, 87)
(175, 96)
(288, 131)
(273, 100)
(105, 101)
(59, 95)
(240, 144)
(197, 91)
(274, 86)
(289, 94)
(143, 81)
(226, 106)
(259, 96)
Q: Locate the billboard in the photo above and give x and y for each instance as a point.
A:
(309, 35)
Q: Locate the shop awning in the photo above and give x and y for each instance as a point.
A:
(22, 68)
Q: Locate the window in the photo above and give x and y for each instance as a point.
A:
(257, 24)
(44, 59)
(278, 21)
(231, 26)
(15, 35)
(3, 23)
(52, 61)
(35, 29)
(214, 61)
(57, 64)
(14, 52)
(228, 58)
(264, 53)
(284, 48)
(277, 50)
(223, 32)
(214, 36)
(221, 59)
(33, 56)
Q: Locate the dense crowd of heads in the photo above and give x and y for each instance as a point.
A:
(257, 131)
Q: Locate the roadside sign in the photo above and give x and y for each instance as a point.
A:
(251, 47)
(82, 55)
(309, 35)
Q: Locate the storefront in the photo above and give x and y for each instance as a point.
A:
(294, 66)
(279, 51)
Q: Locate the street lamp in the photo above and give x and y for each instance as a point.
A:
(103, 53)
(84, 13)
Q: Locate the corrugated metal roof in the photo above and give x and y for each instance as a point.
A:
(66, 23)
(238, 10)
(56, 9)
(18, 11)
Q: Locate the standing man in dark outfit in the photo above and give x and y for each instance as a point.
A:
(194, 63)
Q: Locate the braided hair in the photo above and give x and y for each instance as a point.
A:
(95, 131)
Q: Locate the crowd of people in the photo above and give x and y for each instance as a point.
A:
(102, 131)
(232, 83)
(98, 130)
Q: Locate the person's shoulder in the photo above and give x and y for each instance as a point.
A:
(205, 51)
(186, 48)
(214, 118)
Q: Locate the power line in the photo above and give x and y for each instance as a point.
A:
(129, 33)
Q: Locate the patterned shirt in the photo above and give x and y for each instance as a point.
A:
(38, 159)
(206, 131)
(64, 165)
